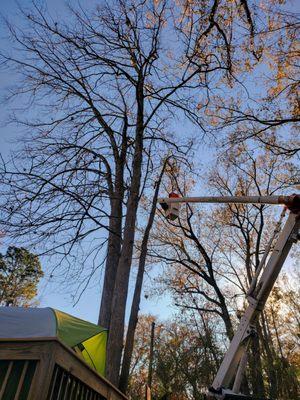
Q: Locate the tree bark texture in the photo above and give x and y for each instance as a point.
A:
(133, 319)
(115, 230)
(258, 386)
(112, 258)
(116, 334)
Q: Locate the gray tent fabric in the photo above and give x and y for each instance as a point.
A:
(21, 322)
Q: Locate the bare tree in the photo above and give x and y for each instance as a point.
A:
(211, 257)
(192, 274)
(133, 319)
(248, 231)
(103, 87)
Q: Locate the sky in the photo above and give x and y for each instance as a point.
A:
(52, 294)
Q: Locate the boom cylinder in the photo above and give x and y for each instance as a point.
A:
(292, 202)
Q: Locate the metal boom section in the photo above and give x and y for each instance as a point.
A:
(234, 363)
(257, 300)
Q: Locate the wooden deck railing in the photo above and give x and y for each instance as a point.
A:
(45, 369)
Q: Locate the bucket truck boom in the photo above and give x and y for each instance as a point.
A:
(227, 382)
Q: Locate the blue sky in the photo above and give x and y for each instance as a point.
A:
(51, 294)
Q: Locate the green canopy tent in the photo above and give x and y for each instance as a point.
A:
(87, 339)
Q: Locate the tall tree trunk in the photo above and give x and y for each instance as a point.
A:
(256, 367)
(133, 319)
(227, 321)
(271, 370)
(224, 310)
(115, 228)
(210, 344)
(117, 322)
(112, 259)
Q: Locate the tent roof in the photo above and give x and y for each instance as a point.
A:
(20, 322)
(87, 339)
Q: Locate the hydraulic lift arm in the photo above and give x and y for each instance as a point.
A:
(234, 363)
(235, 356)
